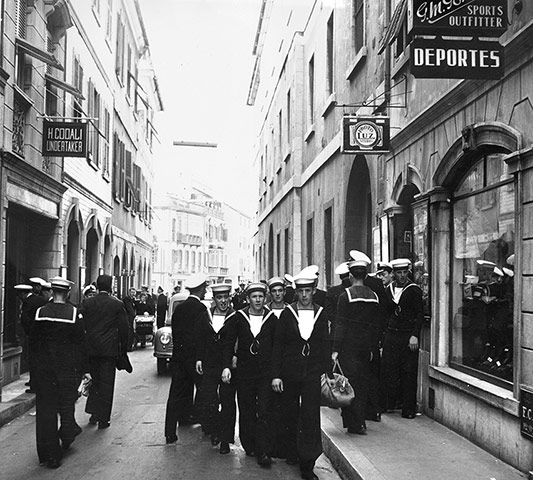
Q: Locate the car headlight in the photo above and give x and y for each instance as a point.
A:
(165, 338)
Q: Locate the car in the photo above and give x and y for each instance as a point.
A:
(163, 336)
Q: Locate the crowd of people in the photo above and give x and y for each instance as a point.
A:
(265, 348)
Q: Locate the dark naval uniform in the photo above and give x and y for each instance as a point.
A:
(58, 349)
(399, 361)
(357, 334)
(180, 398)
(299, 364)
(253, 379)
(212, 392)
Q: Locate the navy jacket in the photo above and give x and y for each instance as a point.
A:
(185, 320)
(408, 313)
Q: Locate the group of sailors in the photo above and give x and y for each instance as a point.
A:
(270, 357)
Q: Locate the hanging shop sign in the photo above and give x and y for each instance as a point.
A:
(365, 134)
(456, 59)
(526, 414)
(469, 18)
(64, 139)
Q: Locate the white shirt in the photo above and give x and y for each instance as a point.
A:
(277, 311)
(256, 322)
(218, 322)
(306, 323)
(397, 293)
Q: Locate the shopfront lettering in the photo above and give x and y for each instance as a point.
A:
(437, 57)
(64, 139)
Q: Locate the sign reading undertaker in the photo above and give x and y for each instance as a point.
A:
(64, 139)
(469, 18)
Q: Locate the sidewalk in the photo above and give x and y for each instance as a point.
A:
(400, 449)
(15, 401)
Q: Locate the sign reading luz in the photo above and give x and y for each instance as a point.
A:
(480, 18)
(64, 139)
(365, 134)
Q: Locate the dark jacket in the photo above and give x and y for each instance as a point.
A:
(129, 305)
(254, 354)
(408, 313)
(210, 344)
(29, 306)
(330, 305)
(319, 297)
(293, 357)
(106, 324)
(142, 307)
(161, 308)
(184, 323)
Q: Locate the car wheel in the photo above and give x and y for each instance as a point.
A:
(161, 366)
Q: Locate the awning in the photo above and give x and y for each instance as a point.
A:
(394, 26)
(37, 53)
(67, 87)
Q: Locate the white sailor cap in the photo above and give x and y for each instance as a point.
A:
(383, 267)
(400, 264)
(497, 271)
(37, 281)
(508, 272)
(310, 271)
(256, 287)
(307, 277)
(196, 280)
(486, 264)
(46, 286)
(342, 269)
(275, 281)
(359, 259)
(510, 260)
(217, 288)
(21, 287)
(88, 288)
(60, 283)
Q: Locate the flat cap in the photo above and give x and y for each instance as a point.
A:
(196, 280)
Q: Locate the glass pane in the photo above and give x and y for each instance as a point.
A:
(482, 323)
(420, 252)
(497, 169)
(473, 180)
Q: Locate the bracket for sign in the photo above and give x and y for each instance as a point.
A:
(374, 105)
(48, 117)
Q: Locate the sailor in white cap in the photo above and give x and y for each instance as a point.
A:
(301, 355)
(58, 347)
(312, 271)
(384, 272)
(215, 399)
(276, 286)
(252, 330)
(400, 349)
(180, 404)
(356, 342)
(289, 288)
(332, 295)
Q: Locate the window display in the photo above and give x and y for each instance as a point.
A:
(482, 269)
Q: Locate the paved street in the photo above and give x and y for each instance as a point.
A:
(133, 447)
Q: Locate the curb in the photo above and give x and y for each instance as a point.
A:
(16, 407)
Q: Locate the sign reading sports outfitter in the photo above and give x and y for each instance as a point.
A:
(479, 18)
(365, 134)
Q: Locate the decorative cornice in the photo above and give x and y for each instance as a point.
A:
(70, 181)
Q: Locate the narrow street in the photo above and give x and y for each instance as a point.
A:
(134, 446)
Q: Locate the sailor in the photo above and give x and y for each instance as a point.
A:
(400, 349)
(333, 293)
(276, 286)
(358, 330)
(252, 329)
(301, 355)
(215, 400)
(58, 348)
(384, 272)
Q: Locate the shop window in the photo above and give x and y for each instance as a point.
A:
(482, 271)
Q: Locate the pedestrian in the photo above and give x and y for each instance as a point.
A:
(384, 272)
(333, 293)
(357, 334)
(301, 354)
(89, 291)
(130, 301)
(144, 307)
(252, 330)
(400, 349)
(185, 320)
(276, 287)
(106, 324)
(215, 399)
(161, 307)
(58, 348)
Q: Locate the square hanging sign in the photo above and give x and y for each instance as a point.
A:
(64, 139)
(365, 134)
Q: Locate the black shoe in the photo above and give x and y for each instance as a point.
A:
(291, 461)
(53, 463)
(102, 425)
(409, 415)
(309, 475)
(214, 440)
(93, 419)
(357, 431)
(264, 460)
(224, 448)
(171, 439)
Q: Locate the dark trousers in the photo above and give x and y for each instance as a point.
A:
(400, 370)
(301, 418)
(374, 401)
(255, 397)
(55, 395)
(216, 407)
(180, 403)
(358, 370)
(100, 399)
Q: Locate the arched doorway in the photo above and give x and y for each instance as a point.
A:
(117, 274)
(271, 252)
(358, 215)
(92, 251)
(107, 254)
(73, 256)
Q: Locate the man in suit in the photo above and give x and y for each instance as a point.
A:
(161, 307)
(106, 324)
(130, 302)
(185, 320)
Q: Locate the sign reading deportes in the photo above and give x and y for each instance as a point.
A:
(64, 139)
(479, 18)
(365, 134)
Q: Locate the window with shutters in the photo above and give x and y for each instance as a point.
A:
(93, 111)
(311, 89)
(358, 25)
(129, 191)
(329, 51)
(129, 75)
(105, 143)
(21, 12)
(119, 51)
(77, 81)
(109, 20)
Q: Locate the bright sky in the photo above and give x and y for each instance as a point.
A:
(201, 51)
